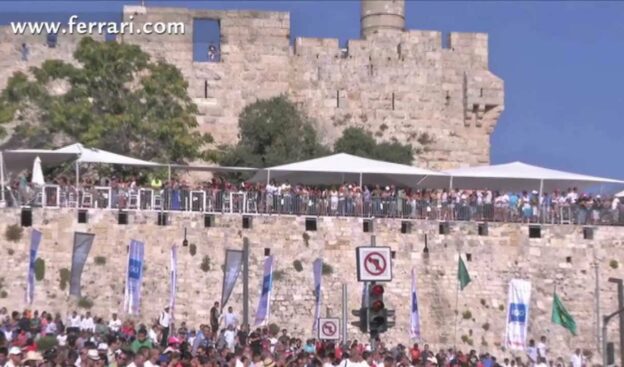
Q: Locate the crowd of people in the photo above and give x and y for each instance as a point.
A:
(349, 199)
(42, 339)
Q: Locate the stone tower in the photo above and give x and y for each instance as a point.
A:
(384, 16)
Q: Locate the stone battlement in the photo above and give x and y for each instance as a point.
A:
(399, 84)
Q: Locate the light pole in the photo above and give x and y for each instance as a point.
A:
(620, 296)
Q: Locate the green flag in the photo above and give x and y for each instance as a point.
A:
(462, 274)
(560, 315)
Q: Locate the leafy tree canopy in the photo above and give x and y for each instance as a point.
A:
(273, 132)
(116, 99)
(360, 142)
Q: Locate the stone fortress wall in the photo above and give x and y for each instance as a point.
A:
(400, 84)
(561, 257)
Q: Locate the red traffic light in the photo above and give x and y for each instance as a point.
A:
(377, 290)
(377, 306)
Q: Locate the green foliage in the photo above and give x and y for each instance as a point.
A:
(466, 315)
(501, 308)
(279, 275)
(297, 265)
(360, 142)
(272, 132)
(100, 260)
(85, 302)
(614, 264)
(13, 233)
(193, 249)
(205, 264)
(39, 269)
(117, 99)
(64, 275)
(486, 326)
(327, 269)
(46, 343)
(467, 340)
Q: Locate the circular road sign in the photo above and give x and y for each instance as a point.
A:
(375, 263)
(329, 328)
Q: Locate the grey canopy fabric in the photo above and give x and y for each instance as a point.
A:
(342, 167)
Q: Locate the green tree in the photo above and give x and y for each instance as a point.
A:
(116, 99)
(360, 142)
(273, 132)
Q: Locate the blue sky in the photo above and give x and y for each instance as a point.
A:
(562, 63)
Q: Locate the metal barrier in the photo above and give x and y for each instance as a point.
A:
(311, 204)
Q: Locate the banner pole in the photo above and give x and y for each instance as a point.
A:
(246, 282)
(456, 309)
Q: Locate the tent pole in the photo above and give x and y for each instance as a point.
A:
(360, 179)
(168, 173)
(451, 184)
(541, 188)
(421, 180)
(77, 175)
(268, 177)
(2, 179)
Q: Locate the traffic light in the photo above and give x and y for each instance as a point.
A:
(377, 313)
(362, 323)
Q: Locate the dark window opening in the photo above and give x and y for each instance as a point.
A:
(206, 40)
(446, 40)
(52, 40)
(205, 89)
(468, 257)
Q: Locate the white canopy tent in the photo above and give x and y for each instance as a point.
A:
(92, 155)
(620, 194)
(518, 176)
(342, 167)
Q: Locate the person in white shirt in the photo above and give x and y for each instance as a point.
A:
(15, 357)
(230, 337)
(229, 318)
(354, 360)
(152, 334)
(165, 322)
(577, 359)
(87, 323)
(62, 339)
(152, 361)
(541, 348)
(73, 323)
(114, 324)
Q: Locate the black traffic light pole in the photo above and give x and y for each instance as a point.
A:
(605, 322)
(373, 243)
(620, 296)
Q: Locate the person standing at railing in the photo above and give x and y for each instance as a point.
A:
(615, 210)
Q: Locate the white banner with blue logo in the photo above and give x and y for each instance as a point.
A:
(264, 307)
(415, 314)
(35, 239)
(518, 314)
(132, 299)
(317, 269)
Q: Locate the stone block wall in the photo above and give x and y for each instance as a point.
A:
(561, 257)
(401, 85)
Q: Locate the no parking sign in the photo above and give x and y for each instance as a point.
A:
(329, 329)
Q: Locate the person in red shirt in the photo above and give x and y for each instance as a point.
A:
(415, 354)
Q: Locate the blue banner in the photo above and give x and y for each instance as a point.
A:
(264, 307)
(414, 312)
(35, 239)
(132, 302)
(233, 262)
(82, 246)
(317, 268)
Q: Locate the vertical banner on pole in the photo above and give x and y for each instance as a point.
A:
(173, 279)
(264, 307)
(317, 268)
(132, 302)
(414, 312)
(82, 246)
(517, 314)
(35, 239)
(233, 265)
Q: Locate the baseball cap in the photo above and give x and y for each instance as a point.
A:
(15, 351)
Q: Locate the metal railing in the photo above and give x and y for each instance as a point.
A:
(309, 204)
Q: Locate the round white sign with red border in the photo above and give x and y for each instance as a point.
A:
(329, 329)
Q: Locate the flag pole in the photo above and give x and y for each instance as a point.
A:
(456, 305)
